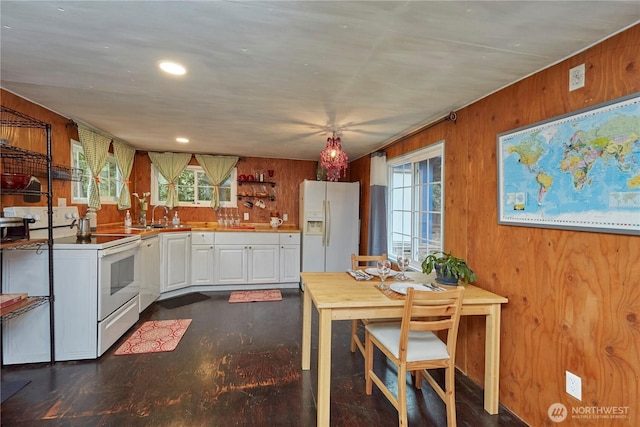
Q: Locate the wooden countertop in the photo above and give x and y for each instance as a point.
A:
(196, 226)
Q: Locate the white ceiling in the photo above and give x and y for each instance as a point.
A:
(266, 78)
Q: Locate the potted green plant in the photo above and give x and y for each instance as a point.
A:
(449, 269)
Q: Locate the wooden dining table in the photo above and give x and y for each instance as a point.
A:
(338, 296)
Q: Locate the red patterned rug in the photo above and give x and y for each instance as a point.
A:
(255, 296)
(155, 336)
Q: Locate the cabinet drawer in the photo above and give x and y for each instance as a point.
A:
(289, 238)
(249, 238)
(116, 324)
(202, 238)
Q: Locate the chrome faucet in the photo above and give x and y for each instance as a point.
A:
(166, 217)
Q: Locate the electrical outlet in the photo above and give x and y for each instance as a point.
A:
(285, 217)
(576, 77)
(574, 385)
(246, 216)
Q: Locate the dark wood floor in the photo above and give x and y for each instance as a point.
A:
(237, 365)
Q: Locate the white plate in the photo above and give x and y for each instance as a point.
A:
(401, 288)
(374, 272)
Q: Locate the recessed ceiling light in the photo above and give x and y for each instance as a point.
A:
(172, 68)
(182, 140)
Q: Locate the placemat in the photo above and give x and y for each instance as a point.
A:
(389, 293)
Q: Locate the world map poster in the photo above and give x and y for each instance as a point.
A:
(578, 171)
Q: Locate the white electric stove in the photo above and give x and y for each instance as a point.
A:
(96, 288)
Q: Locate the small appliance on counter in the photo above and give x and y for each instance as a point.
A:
(14, 229)
(84, 228)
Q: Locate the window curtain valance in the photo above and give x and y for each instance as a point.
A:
(170, 165)
(124, 161)
(217, 169)
(96, 149)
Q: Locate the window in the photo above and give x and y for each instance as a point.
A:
(415, 217)
(110, 178)
(194, 188)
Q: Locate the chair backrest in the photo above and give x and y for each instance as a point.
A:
(432, 311)
(363, 260)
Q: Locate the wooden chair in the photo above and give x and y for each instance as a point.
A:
(412, 345)
(359, 262)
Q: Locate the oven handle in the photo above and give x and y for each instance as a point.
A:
(118, 249)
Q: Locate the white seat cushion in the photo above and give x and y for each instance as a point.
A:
(423, 345)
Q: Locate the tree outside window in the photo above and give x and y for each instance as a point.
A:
(194, 188)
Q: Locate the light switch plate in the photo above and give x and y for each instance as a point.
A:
(576, 77)
(246, 216)
(285, 217)
(573, 385)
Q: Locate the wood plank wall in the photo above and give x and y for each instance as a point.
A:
(574, 297)
(35, 140)
(288, 174)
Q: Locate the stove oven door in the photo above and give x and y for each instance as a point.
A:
(119, 277)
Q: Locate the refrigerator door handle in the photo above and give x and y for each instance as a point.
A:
(324, 222)
(328, 220)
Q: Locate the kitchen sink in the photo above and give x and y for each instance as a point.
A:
(140, 227)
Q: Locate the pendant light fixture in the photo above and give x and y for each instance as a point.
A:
(334, 159)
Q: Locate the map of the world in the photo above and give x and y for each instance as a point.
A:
(577, 171)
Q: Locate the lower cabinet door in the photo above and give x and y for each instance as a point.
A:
(264, 264)
(202, 264)
(231, 261)
(289, 263)
(150, 277)
(176, 260)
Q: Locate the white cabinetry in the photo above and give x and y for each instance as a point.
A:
(176, 260)
(150, 273)
(263, 263)
(202, 258)
(232, 264)
(246, 258)
(289, 257)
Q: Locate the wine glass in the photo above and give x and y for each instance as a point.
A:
(220, 218)
(383, 267)
(403, 262)
(225, 218)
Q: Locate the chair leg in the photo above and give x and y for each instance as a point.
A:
(418, 378)
(354, 330)
(402, 395)
(450, 393)
(368, 362)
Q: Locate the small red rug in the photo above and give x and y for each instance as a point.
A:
(255, 296)
(155, 336)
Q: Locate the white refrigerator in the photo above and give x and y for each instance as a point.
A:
(330, 224)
